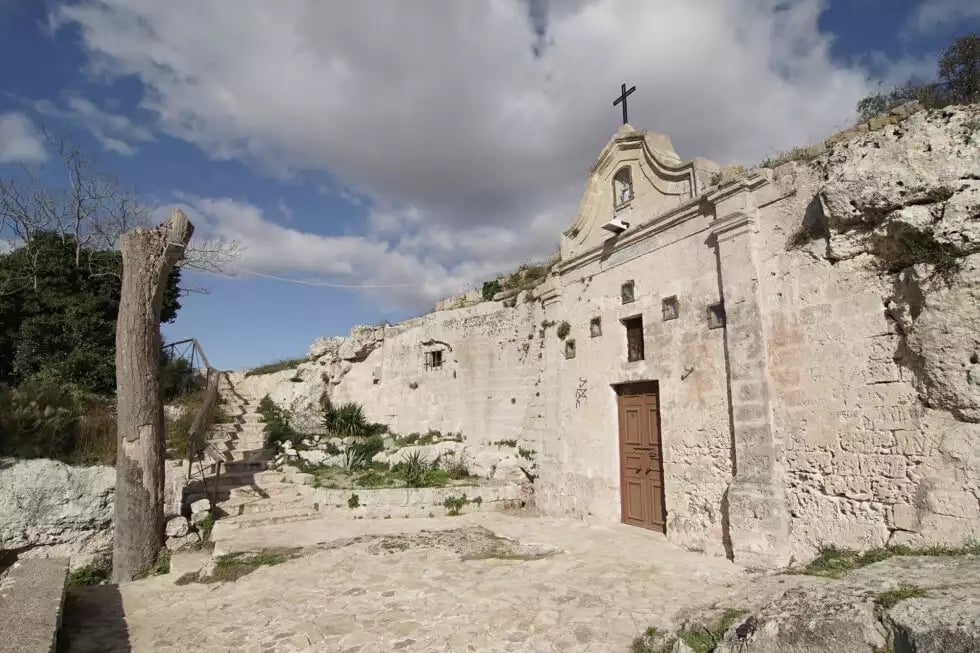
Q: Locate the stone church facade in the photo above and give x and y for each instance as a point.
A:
(736, 370)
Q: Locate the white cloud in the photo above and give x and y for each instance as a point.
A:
(933, 15)
(410, 273)
(20, 141)
(471, 150)
(116, 133)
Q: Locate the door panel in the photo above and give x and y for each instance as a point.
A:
(641, 459)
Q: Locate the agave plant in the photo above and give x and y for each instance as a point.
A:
(347, 420)
(354, 459)
(415, 467)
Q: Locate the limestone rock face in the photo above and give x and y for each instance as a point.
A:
(919, 174)
(361, 342)
(947, 624)
(324, 347)
(56, 508)
(300, 390)
(848, 614)
(821, 620)
(297, 390)
(906, 193)
(941, 340)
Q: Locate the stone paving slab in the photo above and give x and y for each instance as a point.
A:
(31, 594)
(606, 585)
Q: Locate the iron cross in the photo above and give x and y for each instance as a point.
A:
(622, 98)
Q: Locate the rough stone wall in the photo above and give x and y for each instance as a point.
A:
(874, 372)
(48, 508)
(56, 510)
(487, 387)
(483, 388)
(580, 464)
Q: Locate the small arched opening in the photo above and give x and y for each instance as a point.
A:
(622, 186)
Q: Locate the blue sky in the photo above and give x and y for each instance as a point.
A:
(387, 154)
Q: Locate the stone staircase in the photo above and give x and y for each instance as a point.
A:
(248, 494)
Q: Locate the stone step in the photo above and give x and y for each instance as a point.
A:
(264, 476)
(191, 497)
(236, 490)
(263, 491)
(265, 518)
(246, 427)
(232, 453)
(239, 442)
(242, 506)
(240, 419)
(239, 477)
(231, 466)
(236, 427)
(247, 455)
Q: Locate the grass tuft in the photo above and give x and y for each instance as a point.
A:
(891, 598)
(704, 639)
(804, 154)
(653, 640)
(278, 366)
(231, 567)
(910, 246)
(833, 562)
(91, 574)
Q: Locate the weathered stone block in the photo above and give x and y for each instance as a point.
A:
(177, 527)
(201, 505)
(177, 543)
(905, 517)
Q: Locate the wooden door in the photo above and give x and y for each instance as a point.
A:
(640, 456)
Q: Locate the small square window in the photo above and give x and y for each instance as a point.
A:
(670, 308)
(569, 349)
(634, 338)
(716, 316)
(626, 292)
(433, 359)
(595, 327)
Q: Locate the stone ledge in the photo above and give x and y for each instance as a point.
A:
(31, 598)
(415, 502)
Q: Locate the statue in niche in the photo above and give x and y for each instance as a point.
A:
(623, 186)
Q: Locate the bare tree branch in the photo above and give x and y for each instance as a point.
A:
(214, 255)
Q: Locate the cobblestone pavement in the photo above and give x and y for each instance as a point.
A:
(603, 586)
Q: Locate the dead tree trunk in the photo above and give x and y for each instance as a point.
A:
(148, 257)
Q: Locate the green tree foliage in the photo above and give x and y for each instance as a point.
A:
(58, 306)
(277, 424)
(958, 82)
(490, 288)
(959, 70)
(46, 418)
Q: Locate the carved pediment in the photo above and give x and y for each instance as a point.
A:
(636, 177)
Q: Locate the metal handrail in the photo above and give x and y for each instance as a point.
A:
(197, 444)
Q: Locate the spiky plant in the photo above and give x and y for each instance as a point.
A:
(415, 467)
(347, 420)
